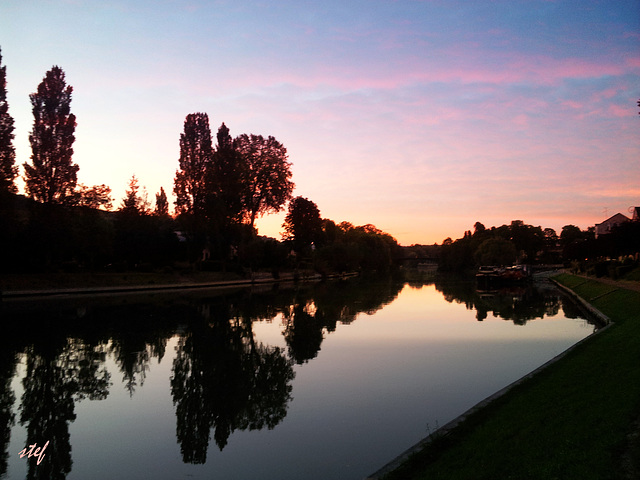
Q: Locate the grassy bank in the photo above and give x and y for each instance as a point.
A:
(573, 420)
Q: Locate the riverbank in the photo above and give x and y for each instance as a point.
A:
(576, 419)
(31, 285)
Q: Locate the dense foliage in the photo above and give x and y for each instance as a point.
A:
(220, 191)
(611, 254)
(195, 157)
(52, 176)
(504, 245)
(348, 248)
(303, 225)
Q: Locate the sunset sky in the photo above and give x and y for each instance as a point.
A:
(420, 117)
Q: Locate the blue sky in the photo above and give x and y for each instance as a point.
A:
(421, 117)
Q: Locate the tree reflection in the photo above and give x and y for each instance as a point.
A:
(85, 364)
(308, 317)
(133, 362)
(223, 381)
(571, 309)
(47, 409)
(8, 363)
(140, 334)
(58, 373)
(303, 333)
(516, 303)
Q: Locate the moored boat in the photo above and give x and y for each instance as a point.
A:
(514, 273)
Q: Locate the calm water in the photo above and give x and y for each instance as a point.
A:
(322, 382)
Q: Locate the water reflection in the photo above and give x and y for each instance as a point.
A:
(222, 379)
(59, 372)
(308, 317)
(8, 361)
(518, 303)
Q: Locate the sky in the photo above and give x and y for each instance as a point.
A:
(421, 117)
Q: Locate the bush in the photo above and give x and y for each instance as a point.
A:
(601, 268)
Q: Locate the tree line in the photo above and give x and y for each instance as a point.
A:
(612, 254)
(220, 191)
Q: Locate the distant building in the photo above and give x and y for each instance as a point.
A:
(636, 214)
(610, 223)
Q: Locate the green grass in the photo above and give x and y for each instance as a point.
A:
(570, 421)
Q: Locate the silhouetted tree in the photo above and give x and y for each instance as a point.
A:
(134, 232)
(267, 184)
(527, 239)
(52, 177)
(92, 197)
(550, 251)
(162, 204)
(551, 237)
(496, 251)
(8, 171)
(302, 224)
(195, 156)
(570, 234)
(330, 230)
(376, 250)
(225, 180)
(134, 202)
(348, 248)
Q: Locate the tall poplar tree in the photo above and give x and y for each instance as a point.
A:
(225, 178)
(196, 151)
(8, 171)
(162, 204)
(52, 177)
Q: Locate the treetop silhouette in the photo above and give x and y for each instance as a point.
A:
(8, 171)
(52, 177)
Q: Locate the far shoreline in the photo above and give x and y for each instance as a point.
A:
(29, 286)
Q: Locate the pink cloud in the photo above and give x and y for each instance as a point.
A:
(572, 104)
(609, 93)
(534, 69)
(521, 120)
(618, 111)
(633, 62)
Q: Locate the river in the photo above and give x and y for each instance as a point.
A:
(325, 381)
